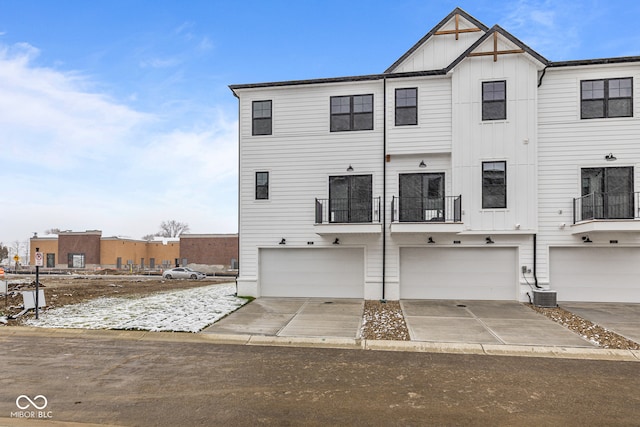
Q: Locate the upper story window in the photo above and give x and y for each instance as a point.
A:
(353, 112)
(494, 100)
(261, 118)
(494, 185)
(406, 106)
(606, 98)
(262, 185)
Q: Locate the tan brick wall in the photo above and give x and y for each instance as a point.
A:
(47, 245)
(113, 248)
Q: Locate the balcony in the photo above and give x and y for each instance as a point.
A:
(348, 216)
(426, 215)
(606, 212)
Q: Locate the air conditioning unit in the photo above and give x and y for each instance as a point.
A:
(544, 298)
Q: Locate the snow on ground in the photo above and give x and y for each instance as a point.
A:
(188, 310)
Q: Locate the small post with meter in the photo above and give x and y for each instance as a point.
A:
(39, 263)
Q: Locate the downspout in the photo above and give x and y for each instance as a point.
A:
(384, 186)
(535, 258)
(544, 71)
(239, 157)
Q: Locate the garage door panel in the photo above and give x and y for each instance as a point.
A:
(458, 273)
(595, 274)
(318, 272)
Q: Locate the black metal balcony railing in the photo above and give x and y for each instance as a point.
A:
(347, 211)
(423, 209)
(606, 206)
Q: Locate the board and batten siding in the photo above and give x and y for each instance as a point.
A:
(300, 156)
(568, 143)
(440, 50)
(513, 140)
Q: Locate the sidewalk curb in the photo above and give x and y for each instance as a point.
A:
(334, 342)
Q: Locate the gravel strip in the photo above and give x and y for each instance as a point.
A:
(384, 321)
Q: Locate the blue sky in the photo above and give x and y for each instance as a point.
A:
(115, 114)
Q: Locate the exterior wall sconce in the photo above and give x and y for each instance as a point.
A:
(336, 242)
(431, 240)
(488, 240)
(610, 157)
(283, 241)
(350, 168)
(422, 164)
(586, 239)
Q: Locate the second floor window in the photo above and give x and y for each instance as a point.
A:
(353, 112)
(262, 185)
(494, 185)
(261, 117)
(606, 98)
(494, 100)
(406, 107)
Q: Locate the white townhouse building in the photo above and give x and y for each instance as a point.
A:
(472, 168)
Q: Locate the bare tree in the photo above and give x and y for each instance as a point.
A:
(148, 237)
(172, 228)
(52, 231)
(4, 252)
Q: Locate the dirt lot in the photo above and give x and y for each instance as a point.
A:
(65, 290)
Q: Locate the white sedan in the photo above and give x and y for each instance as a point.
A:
(183, 273)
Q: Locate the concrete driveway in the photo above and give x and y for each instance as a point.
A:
(445, 321)
(621, 318)
(484, 322)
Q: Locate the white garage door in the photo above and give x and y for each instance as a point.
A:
(459, 273)
(331, 272)
(595, 274)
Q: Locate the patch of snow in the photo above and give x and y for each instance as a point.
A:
(189, 310)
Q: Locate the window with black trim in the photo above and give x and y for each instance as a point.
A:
(350, 198)
(262, 185)
(494, 100)
(353, 112)
(606, 98)
(406, 106)
(494, 185)
(607, 193)
(261, 117)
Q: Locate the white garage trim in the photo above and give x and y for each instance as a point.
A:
(306, 272)
(596, 274)
(459, 273)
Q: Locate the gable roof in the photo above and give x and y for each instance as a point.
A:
(456, 11)
(498, 30)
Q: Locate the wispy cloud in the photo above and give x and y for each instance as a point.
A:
(552, 28)
(92, 161)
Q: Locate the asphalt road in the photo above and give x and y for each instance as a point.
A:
(147, 383)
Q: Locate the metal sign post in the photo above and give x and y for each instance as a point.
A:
(39, 264)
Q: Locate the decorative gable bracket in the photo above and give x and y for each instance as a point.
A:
(457, 30)
(495, 51)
